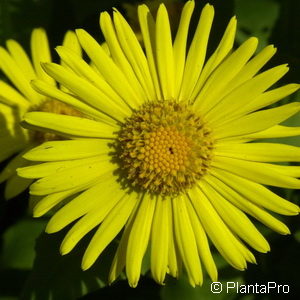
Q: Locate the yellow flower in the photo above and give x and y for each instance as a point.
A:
(174, 8)
(167, 152)
(16, 101)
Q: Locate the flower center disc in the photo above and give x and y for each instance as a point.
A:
(165, 147)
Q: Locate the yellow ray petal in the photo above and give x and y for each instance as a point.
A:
(217, 231)
(15, 74)
(216, 85)
(202, 243)
(12, 97)
(66, 150)
(293, 171)
(174, 261)
(71, 42)
(117, 53)
(164, 53)
(12, 135)
(257, 193)
(160, 239)
(223, 49)
(256, 121)
(185, 241)
(147, 25)
(51, 168)
(248, 255)
(109, 70)
(252, 67)
(21, 58)
(10, 169)
(138, 239)
(276, 131)
(40, 52)
(89, 200)
(244, 94)
(271, 97)
(12, 146)
(50, 201)
(242, 249)
(69, 126)
(179, 47)
(15, 185)
(257, 172)
(89, 221)
(106, 50)
(110, 227)
(262, 101)
(81, 68)
(8, 117)
(197, 52)
(245, 205)
(134, 53)
(55, 93)
(260, 152)
(236, 220)
(71, 177)
(87, 92)
(119, 260)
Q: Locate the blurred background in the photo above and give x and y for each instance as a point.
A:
(30, 264)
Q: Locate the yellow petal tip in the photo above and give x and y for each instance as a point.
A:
(85, 266)
(133, 284)
(64, 250)
(37, 213)
(50, 228)
(111, 279)
(253, 40)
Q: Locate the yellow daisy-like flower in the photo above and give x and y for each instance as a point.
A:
(15, 102)
(167, 153)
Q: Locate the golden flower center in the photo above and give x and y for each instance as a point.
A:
(165, 147)
(52, 106)
(166, 150)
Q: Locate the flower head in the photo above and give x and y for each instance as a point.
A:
(16, 101)
(167, 153)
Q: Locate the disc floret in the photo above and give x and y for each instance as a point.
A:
(165, 147)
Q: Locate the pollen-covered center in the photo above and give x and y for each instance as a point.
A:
(165, 147)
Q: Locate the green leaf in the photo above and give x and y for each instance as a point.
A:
(256, 18)
(19, 242)
(17, 255)
(59, 277)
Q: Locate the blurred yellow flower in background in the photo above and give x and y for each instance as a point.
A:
(19, 98)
